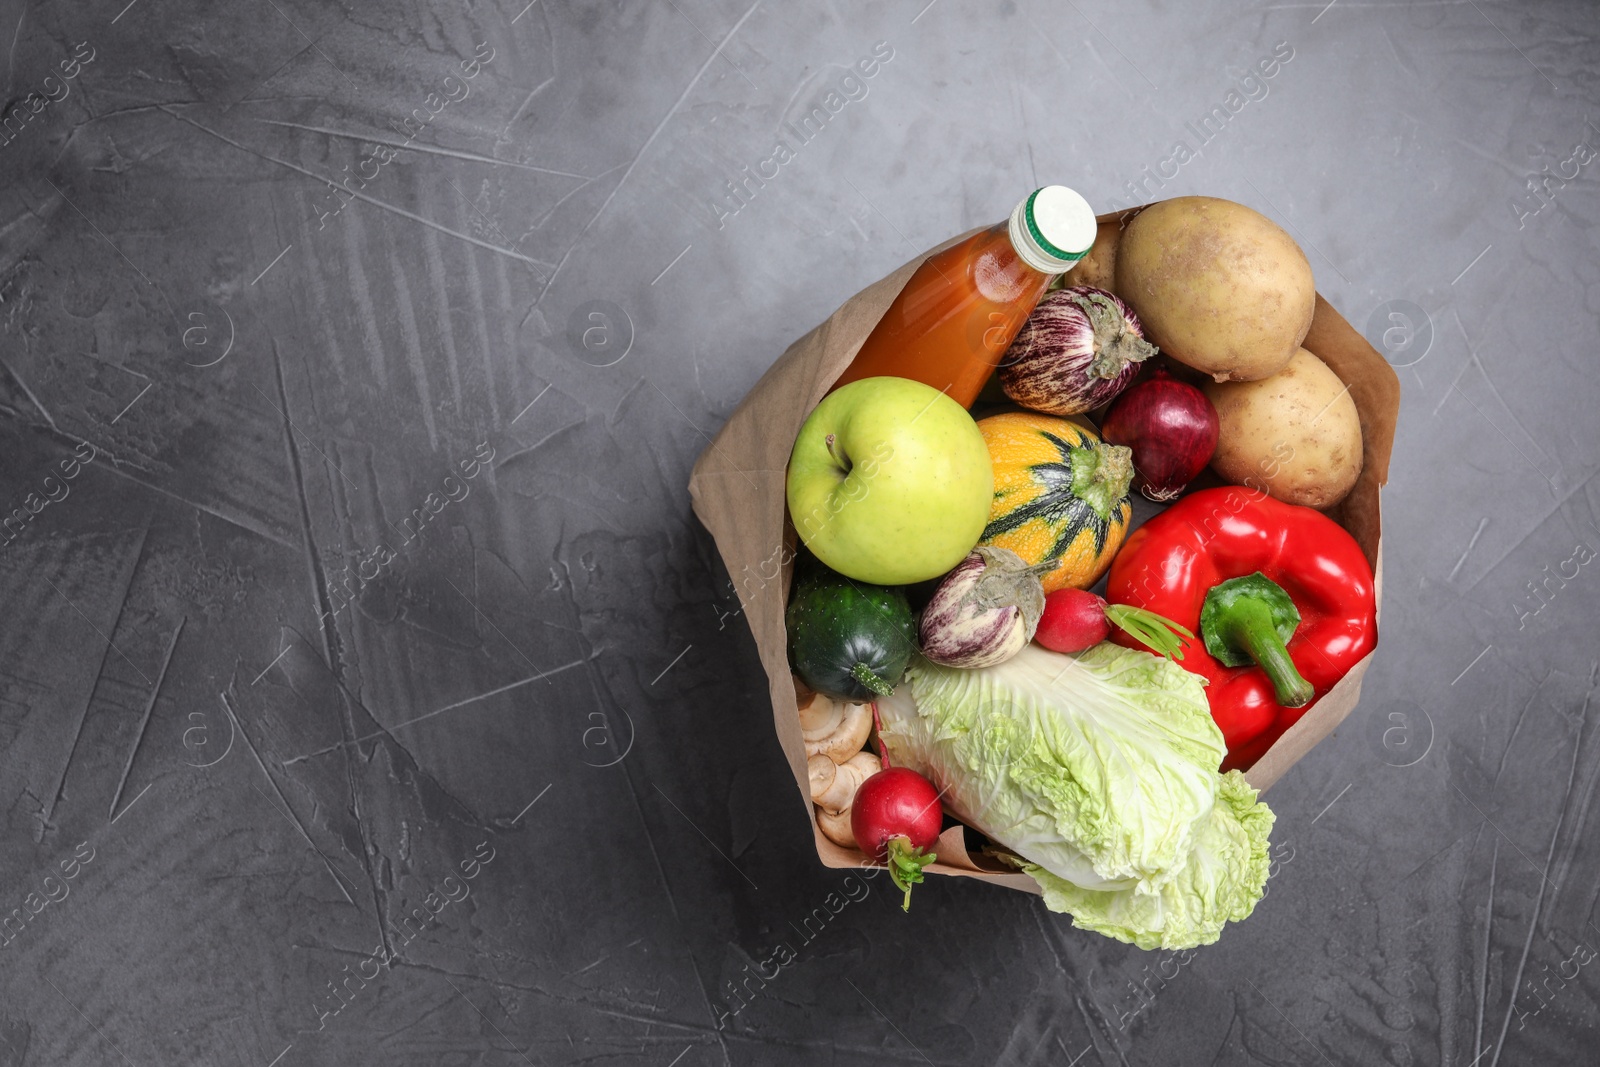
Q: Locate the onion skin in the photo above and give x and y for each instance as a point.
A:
(1172, 429)
(1079, 349)
(984, 612)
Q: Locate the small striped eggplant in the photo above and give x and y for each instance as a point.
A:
(983, 612)
(1080, 347)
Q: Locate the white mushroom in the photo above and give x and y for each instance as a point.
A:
(819, 715)
(823, 771)
(836, 828)
(868, 762)
(833, 728)
(841, 790)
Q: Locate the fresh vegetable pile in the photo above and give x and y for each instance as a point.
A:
(952, 664)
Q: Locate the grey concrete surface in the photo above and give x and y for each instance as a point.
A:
(374, 585)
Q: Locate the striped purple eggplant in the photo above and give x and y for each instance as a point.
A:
(984, 611)
(1080, 347)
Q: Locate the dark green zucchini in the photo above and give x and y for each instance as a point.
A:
(848, 640)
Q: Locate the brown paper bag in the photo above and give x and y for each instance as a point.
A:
(738, 493)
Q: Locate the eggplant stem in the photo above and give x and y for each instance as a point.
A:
(1115, 344)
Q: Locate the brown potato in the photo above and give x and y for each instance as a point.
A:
(1295, 435)
(1098, 267)
(1216, 285)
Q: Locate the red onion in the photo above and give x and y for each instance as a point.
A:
(1172, 429)
(1079, 348)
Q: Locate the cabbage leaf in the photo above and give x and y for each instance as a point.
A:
(1099, 770)
(1220, 883)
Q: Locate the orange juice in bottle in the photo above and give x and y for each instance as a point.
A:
(960, 311)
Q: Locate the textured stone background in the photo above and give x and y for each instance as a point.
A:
(547, 686)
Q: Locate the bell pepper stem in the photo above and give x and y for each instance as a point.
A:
(1248, 623)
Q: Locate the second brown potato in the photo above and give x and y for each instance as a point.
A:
(1296, 434)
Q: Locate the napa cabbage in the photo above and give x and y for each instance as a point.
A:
(1099, 772)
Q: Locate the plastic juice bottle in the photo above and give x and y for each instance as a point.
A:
(954, 320)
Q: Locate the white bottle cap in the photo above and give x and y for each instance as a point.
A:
(1052, 229)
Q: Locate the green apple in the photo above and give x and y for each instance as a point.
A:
(890, 482)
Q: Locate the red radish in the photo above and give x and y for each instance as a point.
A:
(896, 817)
(1172, 429)
(1075, 619)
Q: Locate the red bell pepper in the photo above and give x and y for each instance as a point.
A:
(1220, 562)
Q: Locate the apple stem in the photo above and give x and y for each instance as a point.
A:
(837, 458)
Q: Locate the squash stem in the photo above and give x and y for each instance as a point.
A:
(1101, 474)
(863, 674)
